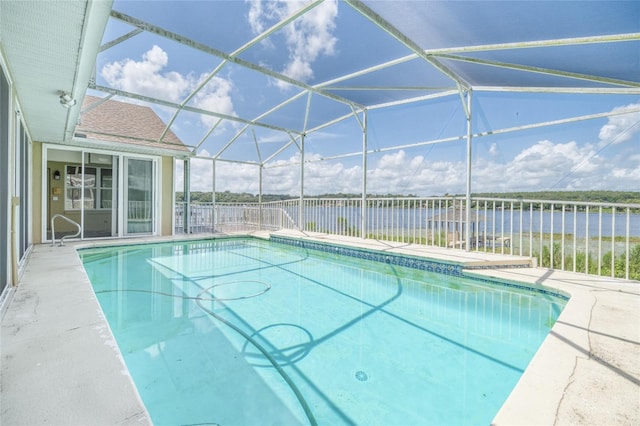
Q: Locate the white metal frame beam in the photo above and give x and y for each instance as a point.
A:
(560, 90)
(120, 39)
(402, 38)
(540, 70)
(611, 38)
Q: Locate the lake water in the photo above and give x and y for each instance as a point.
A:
(326, 219)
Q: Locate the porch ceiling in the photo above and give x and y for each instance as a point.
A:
(51, 46)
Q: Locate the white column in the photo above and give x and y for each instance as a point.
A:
(186, 181)
(260, 198)
(213, 195)
(363, 208)
(469, 159)
(301, 207)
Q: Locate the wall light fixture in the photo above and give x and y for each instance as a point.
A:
(66, 100)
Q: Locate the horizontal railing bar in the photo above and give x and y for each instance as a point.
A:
(571, 203)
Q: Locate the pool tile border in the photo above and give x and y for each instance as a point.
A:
(515, 285)
(423, 264)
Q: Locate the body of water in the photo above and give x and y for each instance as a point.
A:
(331, 219)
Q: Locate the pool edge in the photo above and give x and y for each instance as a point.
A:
(586, 345)
(60, 361)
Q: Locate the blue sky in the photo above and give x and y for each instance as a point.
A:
(333, 40)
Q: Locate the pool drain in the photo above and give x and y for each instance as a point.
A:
(362, 376)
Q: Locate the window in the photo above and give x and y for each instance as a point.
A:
(98, 187)
(105, 188)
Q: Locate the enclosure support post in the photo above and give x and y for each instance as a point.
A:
(363, 207)
(301, 206)
(83, 183)
(469, 113)
(186, 195)
(213, 195)
(260, 198)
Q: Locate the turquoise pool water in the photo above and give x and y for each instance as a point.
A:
(248, 332)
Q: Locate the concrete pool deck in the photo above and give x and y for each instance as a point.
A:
(60, 364)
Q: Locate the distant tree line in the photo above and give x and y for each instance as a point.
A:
(231, 197)
(624, 197)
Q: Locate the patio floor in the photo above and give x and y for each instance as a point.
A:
(60, 363)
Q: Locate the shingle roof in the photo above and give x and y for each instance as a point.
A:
(123, 122)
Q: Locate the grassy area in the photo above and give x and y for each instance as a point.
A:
(584, 264)
(605, 257)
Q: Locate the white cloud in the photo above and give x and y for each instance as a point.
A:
(215, 96)
(308, 37)
(399, 173)
(320, 177)
(255, 16)
(632, 175)
(147, 77)
(621, 128)
(323, 177)
(542, 166)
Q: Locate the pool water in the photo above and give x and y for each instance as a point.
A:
(247, 332)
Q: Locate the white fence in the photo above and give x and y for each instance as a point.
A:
(230, 217)
(592, 238)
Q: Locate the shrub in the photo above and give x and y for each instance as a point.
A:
(557, 256)
(634, 263)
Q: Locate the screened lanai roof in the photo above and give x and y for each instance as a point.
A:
(233, 76)
(273, 71)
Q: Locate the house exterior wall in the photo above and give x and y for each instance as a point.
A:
(36, 201)
(6, 176)
(15, 185)
(168, 202)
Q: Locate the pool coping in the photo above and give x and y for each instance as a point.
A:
(60, 352)
(457, 269)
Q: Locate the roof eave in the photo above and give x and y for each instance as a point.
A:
(128, 148)
(96, 18)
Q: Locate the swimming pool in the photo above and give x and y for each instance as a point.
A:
(246, 331)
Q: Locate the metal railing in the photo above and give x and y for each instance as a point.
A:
(231, 217)
(139, 211)
(591, 238)
(53, 229)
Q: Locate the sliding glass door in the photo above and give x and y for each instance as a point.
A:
(139, 196)
(109, 195)
(5, 116)
(83, 187)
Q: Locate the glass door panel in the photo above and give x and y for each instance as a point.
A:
(98, 192)
(139, 196)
